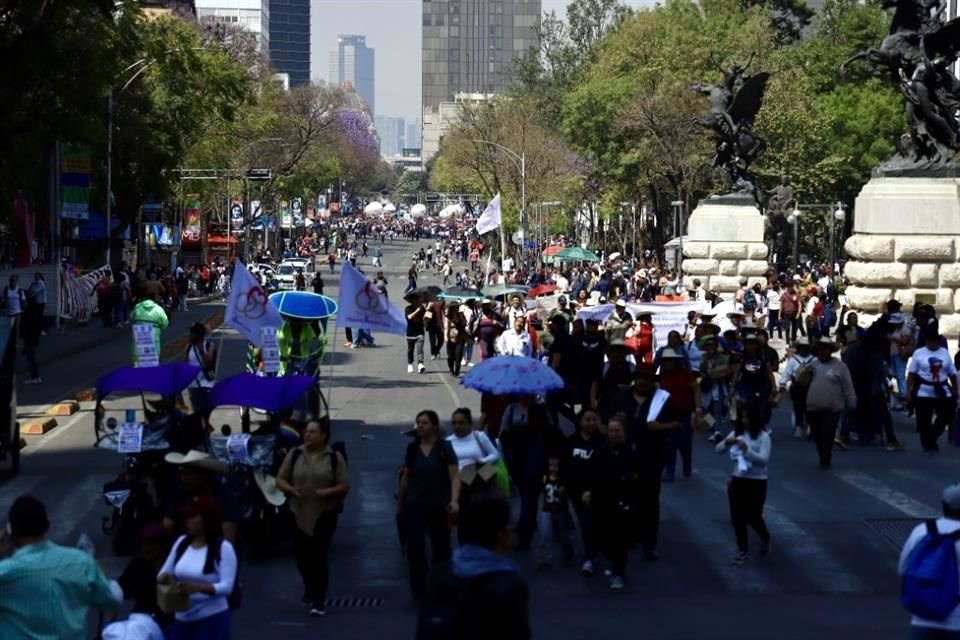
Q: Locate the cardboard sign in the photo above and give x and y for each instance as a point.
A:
(270, 352)
(130, 437)
(144, 346)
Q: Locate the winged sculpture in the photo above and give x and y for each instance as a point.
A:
(734, 104)
(917, 55)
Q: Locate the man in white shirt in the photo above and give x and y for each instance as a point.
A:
(563, 285)
(932, 389)
(922, 628)
(516, 341)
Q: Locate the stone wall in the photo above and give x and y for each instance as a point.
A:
(906, 245)
(724, 243)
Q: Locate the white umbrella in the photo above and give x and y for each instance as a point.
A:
(418, 210)
(389, 208)
(373, 207)
(451, 210)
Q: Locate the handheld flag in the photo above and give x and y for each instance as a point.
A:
(490, 218)
(249, 308)
(362, 306)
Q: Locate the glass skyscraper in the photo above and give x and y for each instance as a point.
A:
(353, 62)
(290, 39)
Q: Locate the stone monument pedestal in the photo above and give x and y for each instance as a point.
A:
(906, 245)
(725, 243)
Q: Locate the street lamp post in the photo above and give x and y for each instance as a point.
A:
(794, 219)
(838, 216)
(520, 161)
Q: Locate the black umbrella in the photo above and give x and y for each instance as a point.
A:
(426, 294)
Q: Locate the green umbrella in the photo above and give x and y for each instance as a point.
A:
(572, 254)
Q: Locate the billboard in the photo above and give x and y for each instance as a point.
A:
(74, 181)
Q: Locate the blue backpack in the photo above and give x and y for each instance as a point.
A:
(931, 587)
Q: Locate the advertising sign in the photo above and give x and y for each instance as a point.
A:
(236, 213)
(74, 182)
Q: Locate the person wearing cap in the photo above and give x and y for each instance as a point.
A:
(203, 565)
(199, 475)
(46, 589)
(650, 417)
(563, 310)
(674, 342)
(829, 395)
(932, 389)
(949, 524)
(796, 376)
(902, 345)
(616, 376)
(693, 321)
(679, 381)
(619, 322)
(732, 322)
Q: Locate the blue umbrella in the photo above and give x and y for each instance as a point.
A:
(305, 305)
(164, 380)
(512, 375)
(269, 394)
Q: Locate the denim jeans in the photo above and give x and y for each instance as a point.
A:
(716, 408)
(362, 336)
(899, 365)
(215, 627)
(552, 532)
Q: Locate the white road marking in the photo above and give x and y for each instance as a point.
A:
(58, 431)
(886, 494)
(822, 568)
(457, 403)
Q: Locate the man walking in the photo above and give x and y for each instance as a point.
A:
(46, 589)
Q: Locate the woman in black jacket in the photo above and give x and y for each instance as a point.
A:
(615, 497)
(577, 470)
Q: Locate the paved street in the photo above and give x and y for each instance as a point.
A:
(831, 574)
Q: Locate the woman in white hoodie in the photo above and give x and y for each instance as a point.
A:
(749, 448)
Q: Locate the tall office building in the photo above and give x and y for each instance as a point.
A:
(248, 15)
(352, 63)
(391, 131)
(290, 39)
(469, 46)
(412, 139)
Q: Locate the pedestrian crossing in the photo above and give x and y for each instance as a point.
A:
(822, 543)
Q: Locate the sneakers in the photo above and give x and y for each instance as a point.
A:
(409, 368)
(841, 441)
(616, 583)
(740, 558)
(894, 446)
(463, 362)
(587, 568)
(421, 368)
(317, 611)
(715, 437)
(799, 433)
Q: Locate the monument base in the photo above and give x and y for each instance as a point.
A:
(905, 245)
(725, 243)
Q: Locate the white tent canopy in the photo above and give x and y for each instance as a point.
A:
(418, 209)
(373, 207)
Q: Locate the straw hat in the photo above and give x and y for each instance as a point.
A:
(268, 486)
(198, 459)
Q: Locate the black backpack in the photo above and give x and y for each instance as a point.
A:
(335, 447)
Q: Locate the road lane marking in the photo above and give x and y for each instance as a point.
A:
(821, 567)
(887, 494)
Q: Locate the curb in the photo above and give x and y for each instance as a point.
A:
(39, 427)
(98, 341)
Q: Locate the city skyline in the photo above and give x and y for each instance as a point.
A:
(393, 27)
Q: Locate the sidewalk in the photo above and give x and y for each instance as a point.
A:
(71, 361)
(73, 338)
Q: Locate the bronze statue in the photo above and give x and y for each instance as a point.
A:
(781, 198)
(918, 53)
(734, 104)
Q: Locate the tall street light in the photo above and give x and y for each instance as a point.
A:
(838, 216)
(794, 219)
(138, 68)
(520, 161)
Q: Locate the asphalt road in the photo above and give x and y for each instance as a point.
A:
(832, 573)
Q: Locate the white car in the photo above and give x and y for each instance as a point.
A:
(287, 273)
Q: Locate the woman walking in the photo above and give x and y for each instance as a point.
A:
(202, 353)
(749, 447)
(429, 497)
(314, 476)
(204, 565)
(577, 469)
(474, 450)
(615, 497)
(455, 332)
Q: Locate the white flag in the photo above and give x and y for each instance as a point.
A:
(249, 308)
(362, 306)
(490, 218)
